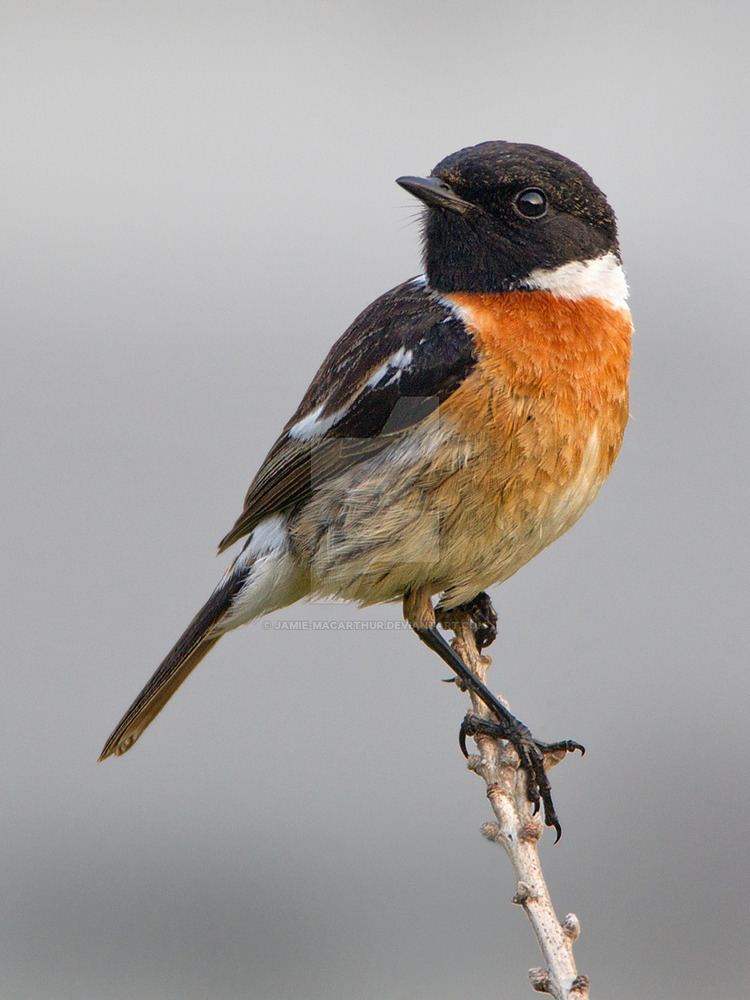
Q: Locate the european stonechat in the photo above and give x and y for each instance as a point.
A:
(464, 421)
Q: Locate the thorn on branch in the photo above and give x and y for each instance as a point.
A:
(580, 985)
(492, 832)
(492, 789)
(531, 830)
(571, 927)
(522, 894)
(540, 980)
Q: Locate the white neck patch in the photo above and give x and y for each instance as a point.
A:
(599, 278)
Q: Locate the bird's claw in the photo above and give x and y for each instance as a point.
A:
(463, 732)
(569, 746)
(482, 614)
(484, 617)
(530, 756)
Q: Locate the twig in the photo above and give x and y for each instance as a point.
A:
(519, 832)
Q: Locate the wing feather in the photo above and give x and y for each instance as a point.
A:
(402, 357)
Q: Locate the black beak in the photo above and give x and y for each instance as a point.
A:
(434, 192)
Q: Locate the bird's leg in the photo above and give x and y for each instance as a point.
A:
(420, 615)
(482, 614)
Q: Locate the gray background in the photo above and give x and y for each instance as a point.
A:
(196, 200)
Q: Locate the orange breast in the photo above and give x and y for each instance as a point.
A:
(548, 402)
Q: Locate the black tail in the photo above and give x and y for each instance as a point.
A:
(182, 659)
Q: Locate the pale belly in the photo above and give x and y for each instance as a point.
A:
(435, 513)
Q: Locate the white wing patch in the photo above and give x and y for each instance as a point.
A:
(314, 425)
(397, 363)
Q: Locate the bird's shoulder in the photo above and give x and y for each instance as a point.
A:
(410, 330)
(404, 355)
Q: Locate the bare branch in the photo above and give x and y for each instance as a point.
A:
(519, 832)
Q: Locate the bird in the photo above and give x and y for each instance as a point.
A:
(463, 422)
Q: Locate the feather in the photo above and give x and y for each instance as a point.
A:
(399, 360)
(174, 669)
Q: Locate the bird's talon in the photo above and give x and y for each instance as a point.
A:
(483, 617)
(465, 730)
(504, 726)
(569, 746)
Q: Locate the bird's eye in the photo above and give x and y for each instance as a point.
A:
(531, 203)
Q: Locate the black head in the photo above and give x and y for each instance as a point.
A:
(500, 210)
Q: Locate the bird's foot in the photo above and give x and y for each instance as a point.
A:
(531, 754)
(503, 725)
(482, 614)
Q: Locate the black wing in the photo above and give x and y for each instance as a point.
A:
(402, 357)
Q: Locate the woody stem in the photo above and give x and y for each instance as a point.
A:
(519, 832)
